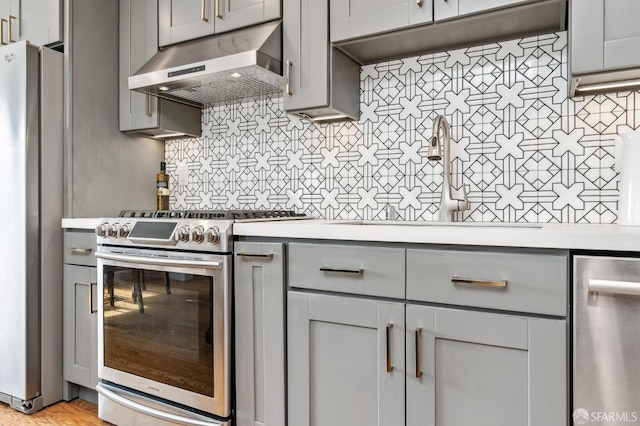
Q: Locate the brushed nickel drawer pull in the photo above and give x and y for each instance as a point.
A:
(287, 78)
(342, 271)
(77, 250)
(263, 256)
(418, 334)
(147, 106)
(203, 11)
(389, 366)
(487, 283)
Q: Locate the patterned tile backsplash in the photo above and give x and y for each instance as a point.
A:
(524, 151)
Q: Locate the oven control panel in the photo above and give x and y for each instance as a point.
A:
(184, 234)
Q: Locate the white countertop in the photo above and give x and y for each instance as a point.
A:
(80, 222)
(560, 236)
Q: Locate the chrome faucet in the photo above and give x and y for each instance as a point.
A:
(448, 204)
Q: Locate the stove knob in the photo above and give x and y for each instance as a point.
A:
(213, 235)
(183, 234)
(197, 234)
(124, 231)
(113, 231)
(101, 230)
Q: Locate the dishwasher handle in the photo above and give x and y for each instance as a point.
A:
(614, 287)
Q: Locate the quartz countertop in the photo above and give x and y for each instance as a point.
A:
(538, 235)
(80, 222)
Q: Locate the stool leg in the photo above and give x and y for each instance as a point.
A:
(110, 288)
(167, 283)
(138, 289)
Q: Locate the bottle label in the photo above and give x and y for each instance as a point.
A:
(162, 184)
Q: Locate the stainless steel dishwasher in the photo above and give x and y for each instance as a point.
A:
(606, 345)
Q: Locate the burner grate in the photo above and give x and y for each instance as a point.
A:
(211, 214)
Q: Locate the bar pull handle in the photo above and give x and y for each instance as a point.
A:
(77, 250)
(486, 283)
(218, 10)
(419, 3)
(2, 22)
(11, 40)
(91, 310)
(287, 78)
(147, 106)
(342, 271)
(203, 11)
(615, 287)
(389, 366)
(262, 256)
(418, 335)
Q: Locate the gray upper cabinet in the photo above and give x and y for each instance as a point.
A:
(181, 20)
(467, 367)
(141, 113)
(447, 9)
(604, 35)
(345, 361)
(260, 334)
(41, 21)
(320, 81)
(358, 18)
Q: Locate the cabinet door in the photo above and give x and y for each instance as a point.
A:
(358, 18)
(232, 14)
(260, 345)
(138, 43)
(305, 53)
(445, 9)
(504, 370)
(604, 35)
(41, 21)
(345, 361)
(80, 325)
(180, 20)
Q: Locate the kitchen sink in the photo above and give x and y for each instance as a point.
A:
(449, 224)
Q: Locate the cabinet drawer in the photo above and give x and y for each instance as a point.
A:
(372, 271)
(80, 248)
(523, 282)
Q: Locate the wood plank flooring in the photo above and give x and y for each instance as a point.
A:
(76, 412)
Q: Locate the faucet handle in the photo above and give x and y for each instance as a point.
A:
(463, 203)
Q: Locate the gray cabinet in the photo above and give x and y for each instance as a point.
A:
(260, 334)
(80, 325)
(504, 370)
(447, 9)
(604, 35)
(40, 21)
(320, 81)
(141, 113)
(181, 20)
(345, 361)
(358, 18)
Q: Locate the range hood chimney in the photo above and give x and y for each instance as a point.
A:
(232, 65)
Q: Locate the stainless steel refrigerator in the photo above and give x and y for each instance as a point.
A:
(31, 135)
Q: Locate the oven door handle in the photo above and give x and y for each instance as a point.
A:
(161, 261)
(153, 411)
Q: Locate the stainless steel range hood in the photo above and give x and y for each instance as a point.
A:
(233, 65)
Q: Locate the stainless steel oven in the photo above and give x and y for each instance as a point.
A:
(164, 329)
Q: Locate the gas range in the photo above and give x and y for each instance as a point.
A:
(192, 230)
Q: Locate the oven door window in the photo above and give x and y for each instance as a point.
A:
(159, 325)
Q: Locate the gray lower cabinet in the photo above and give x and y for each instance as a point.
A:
(604, 35)
(260, 334)
(80, 325)
(346, 363)
(359, 18)
(181, 20)
(466, 367)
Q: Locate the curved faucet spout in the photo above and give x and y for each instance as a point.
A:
(448, 204)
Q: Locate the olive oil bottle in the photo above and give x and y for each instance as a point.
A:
(162, 188)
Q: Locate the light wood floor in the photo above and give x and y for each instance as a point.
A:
(76, 412)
